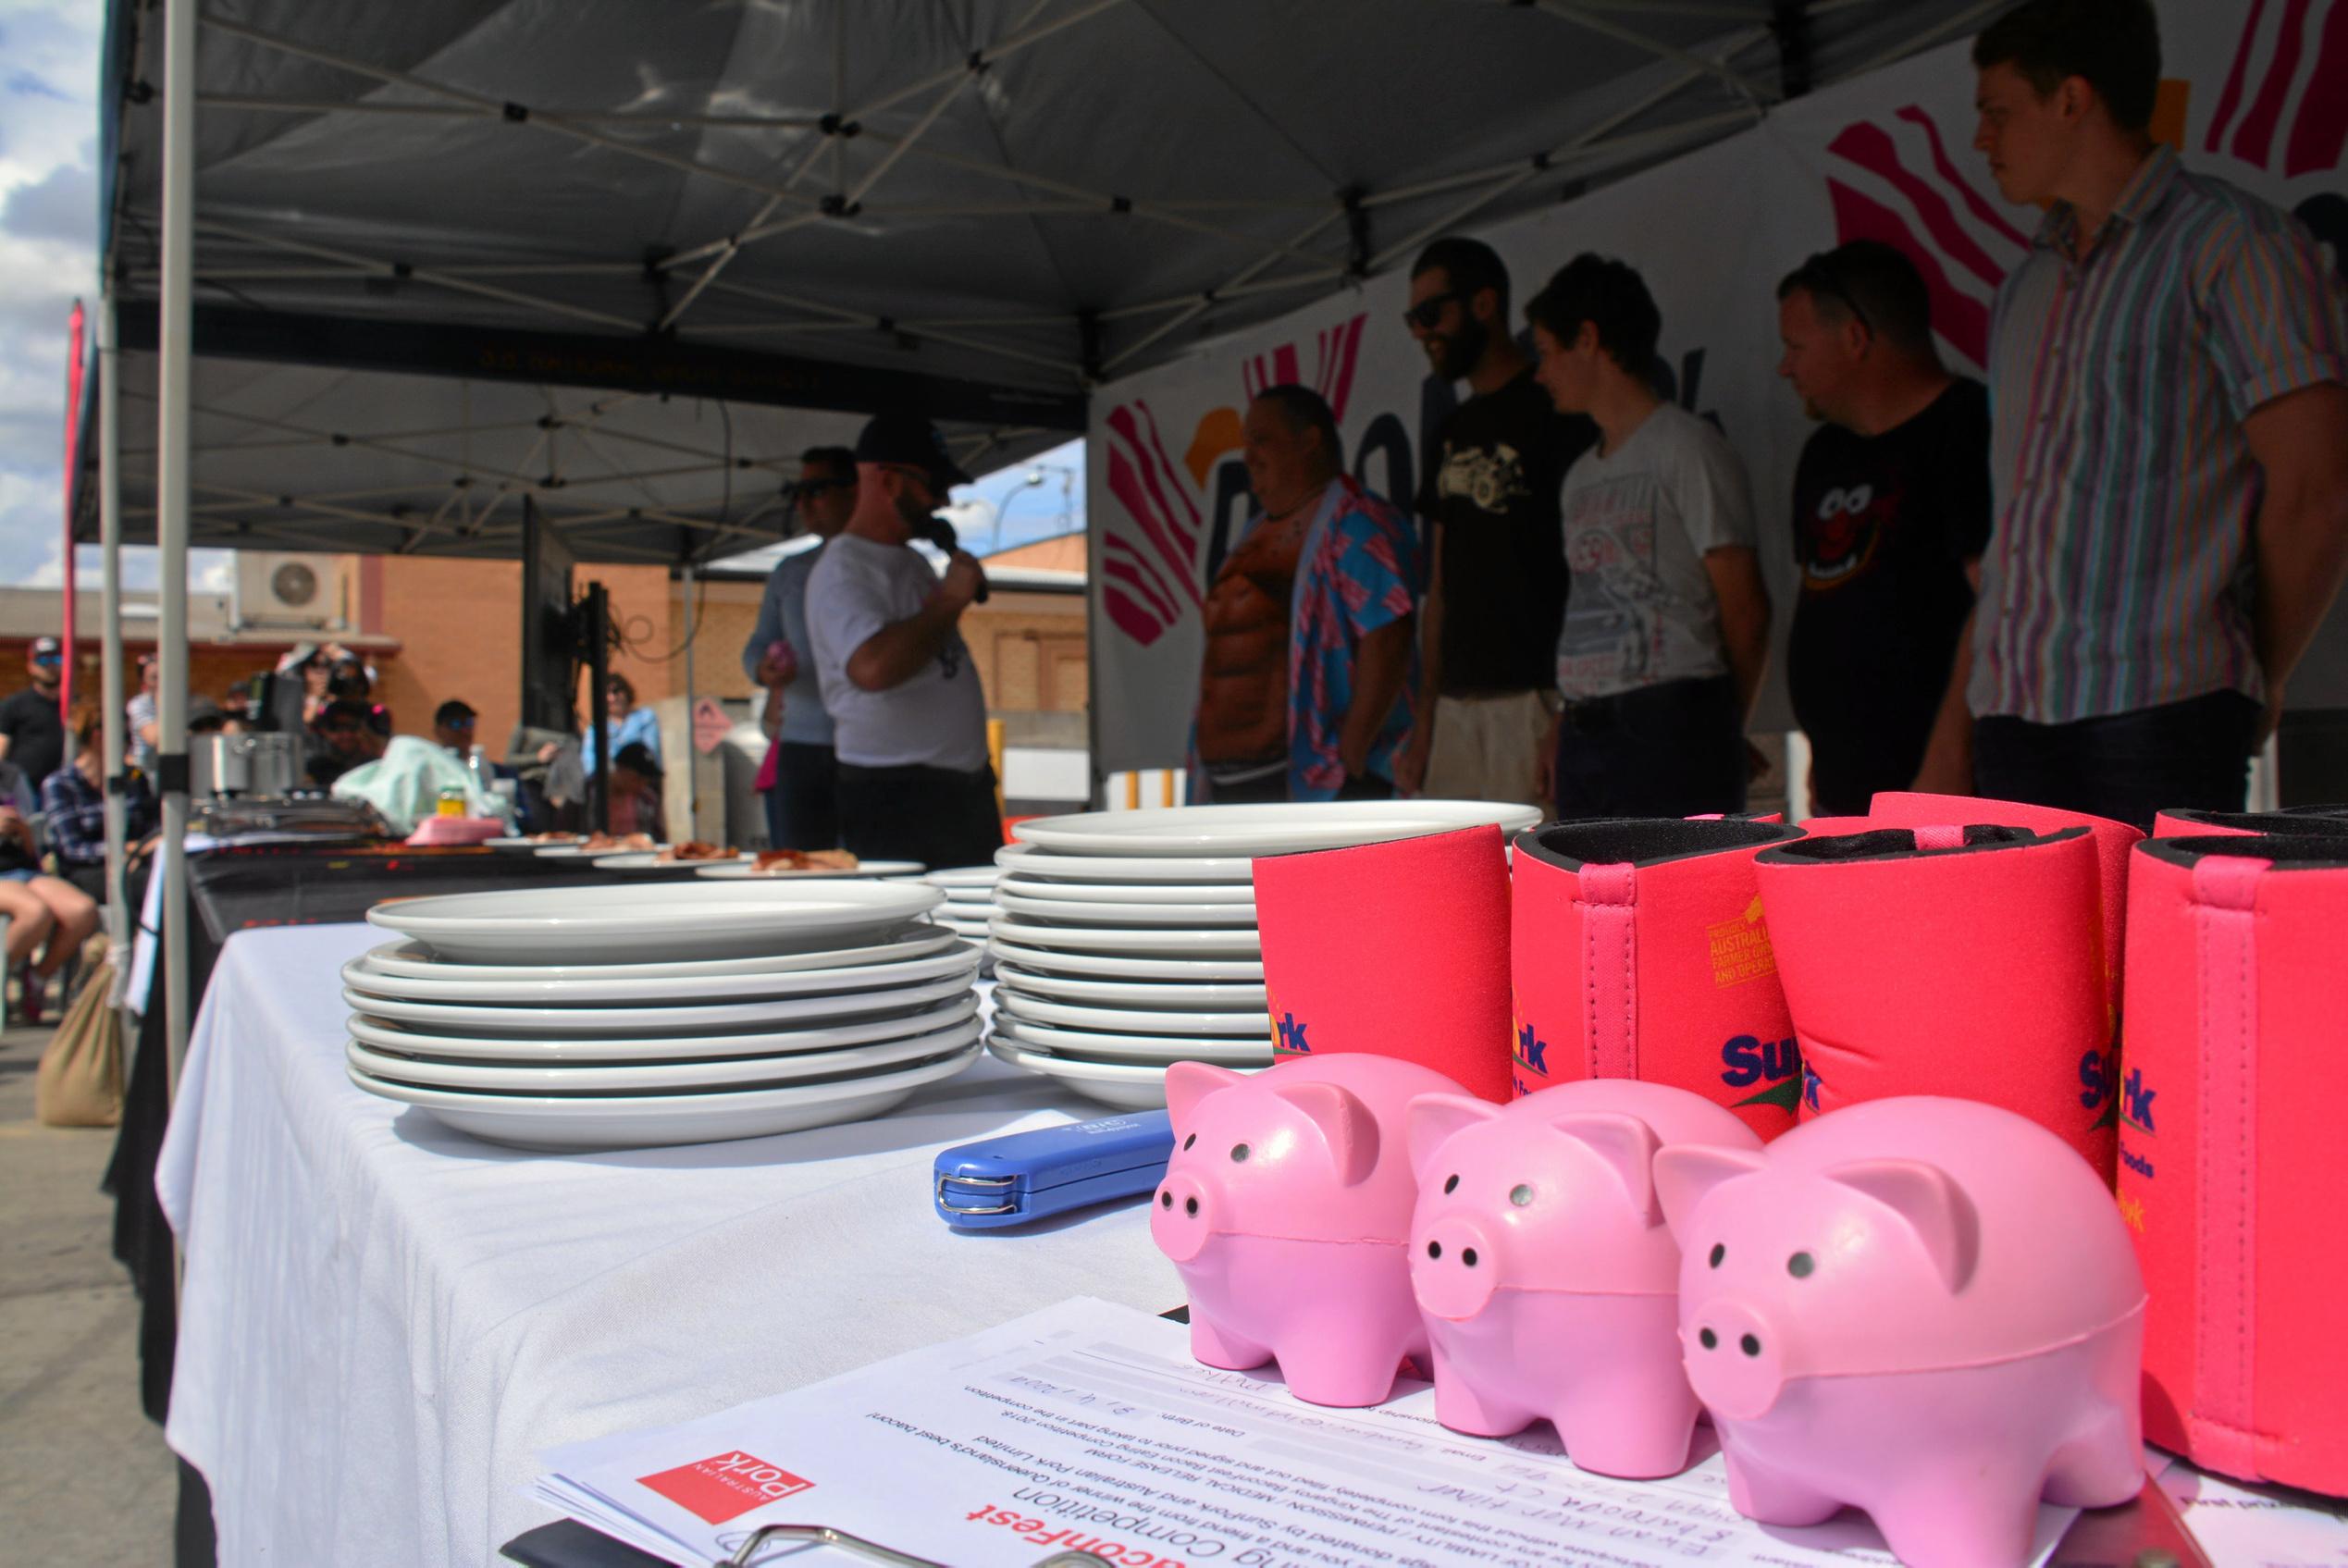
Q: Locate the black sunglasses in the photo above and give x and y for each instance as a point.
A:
(1428, 311)
(806, 487)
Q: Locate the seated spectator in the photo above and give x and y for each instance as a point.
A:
(73, 800)
(49, 918)
(453, 725)
(349, 738)
(635, 791)
(625, 724)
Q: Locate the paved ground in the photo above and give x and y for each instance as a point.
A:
(84, 1477)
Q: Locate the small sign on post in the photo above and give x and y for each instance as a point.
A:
(711, 725)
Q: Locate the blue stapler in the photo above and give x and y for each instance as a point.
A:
(1028, 1176)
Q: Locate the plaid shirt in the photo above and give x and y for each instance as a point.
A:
(2120, 570)
(76, 810)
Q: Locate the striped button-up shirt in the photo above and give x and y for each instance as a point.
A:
(2120, 569)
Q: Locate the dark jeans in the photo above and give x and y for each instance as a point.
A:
(1677, 750)
(2191, 756)
(803, 808)
(933, 815)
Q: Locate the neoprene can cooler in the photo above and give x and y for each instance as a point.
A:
(2234, 1066)
(1963, 962)
(1639, 950)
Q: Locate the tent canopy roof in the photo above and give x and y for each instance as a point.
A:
(981, 207)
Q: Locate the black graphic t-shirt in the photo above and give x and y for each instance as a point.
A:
(1882, 528)
(1490, 494)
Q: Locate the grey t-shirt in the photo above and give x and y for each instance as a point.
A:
(783, 618)
(937, 717)
(1636, 525)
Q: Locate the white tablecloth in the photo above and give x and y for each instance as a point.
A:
(383, 1320)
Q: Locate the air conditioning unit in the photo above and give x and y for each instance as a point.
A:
(281, 592)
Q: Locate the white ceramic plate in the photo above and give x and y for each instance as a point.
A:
(651, 1120)
(565, 1023)
(1127, 965)
(650, 860)
(1128, 1086)
(515, 846)
(975, 878)
(1175, 995)
(1117, 1046)
(968, 930)
(659, 1078)
(1026, 861)
(1153, 942)
(413, 1040)
(982, 907)
(575, 851)
(1218, 1022)
(1079, 913)
(455, 986)
(649, 922)
(417, 961)
(1128, 892)
(744, 871)
(1263, 830)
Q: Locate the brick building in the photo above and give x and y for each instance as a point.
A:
(435, 629)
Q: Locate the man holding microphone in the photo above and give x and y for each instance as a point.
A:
(908, 719)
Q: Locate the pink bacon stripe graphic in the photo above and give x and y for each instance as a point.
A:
(1975, 202)
(2248, 118)
(1143, 593)
(1955, 262)
(2322, 132)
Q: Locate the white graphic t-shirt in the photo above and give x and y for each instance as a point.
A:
(1637, 524)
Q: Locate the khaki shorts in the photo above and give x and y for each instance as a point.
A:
(1489, 748)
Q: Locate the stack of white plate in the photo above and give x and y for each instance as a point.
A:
(685, 1012)
(970, 899)
(1124, 940)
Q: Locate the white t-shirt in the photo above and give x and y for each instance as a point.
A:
(936, 718)
(1637, 524)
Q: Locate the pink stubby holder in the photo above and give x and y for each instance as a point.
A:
(1925, 1308)
(1544, 1270)
(1286, 1208)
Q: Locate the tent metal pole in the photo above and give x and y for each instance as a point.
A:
(1591, 139)
(174, 349)
(990, 56)
(1581, 16)
(120, 919)
(839, 92)
(1926, 39)
(692, 696)
(559, 124)
(1176, 323)
(366, 265)
(1622, 149)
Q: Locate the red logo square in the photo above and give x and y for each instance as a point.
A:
(725, 1485)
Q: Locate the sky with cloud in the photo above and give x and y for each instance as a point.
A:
(49, 258)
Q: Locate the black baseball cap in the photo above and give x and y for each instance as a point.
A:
(455, 710)
(912, 440)
(48, 648)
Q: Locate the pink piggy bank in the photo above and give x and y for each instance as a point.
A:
(1286, 1208)
(1925, 1308)
(1547, 1280)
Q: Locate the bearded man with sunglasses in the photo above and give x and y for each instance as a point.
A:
(1891, 514)
(802, 805)
(908, 719)
(1497, 581)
